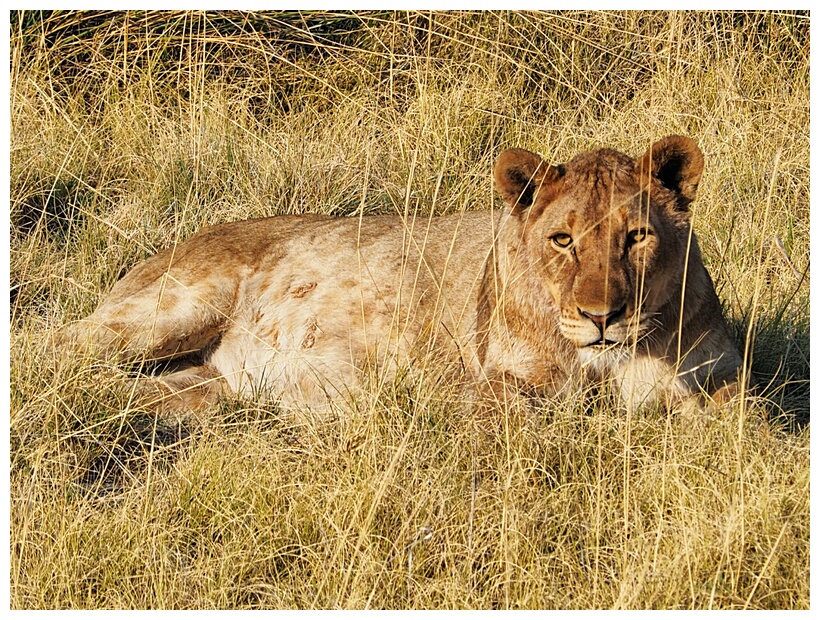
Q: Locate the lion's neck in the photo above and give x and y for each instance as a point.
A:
(685, 324)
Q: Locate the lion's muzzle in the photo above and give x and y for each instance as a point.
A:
(602, 321)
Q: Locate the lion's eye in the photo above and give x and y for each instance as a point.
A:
(637, 236)
(562, 240)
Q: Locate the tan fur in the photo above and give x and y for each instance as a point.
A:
(582, 276)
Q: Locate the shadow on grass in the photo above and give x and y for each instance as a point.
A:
(143, 439)
(120, 458)
(780, 362)
(54, 205)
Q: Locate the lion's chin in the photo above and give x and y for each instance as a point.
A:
(604, 356)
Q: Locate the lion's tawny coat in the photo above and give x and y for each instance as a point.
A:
(589, 272)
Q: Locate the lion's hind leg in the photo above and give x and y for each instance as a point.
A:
(151, 315)
(150, 327)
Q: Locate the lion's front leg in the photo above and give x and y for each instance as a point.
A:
(193, 388)
(733, 386)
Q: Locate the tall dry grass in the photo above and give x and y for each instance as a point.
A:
(129, 131)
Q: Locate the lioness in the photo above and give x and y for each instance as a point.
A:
(589, 272)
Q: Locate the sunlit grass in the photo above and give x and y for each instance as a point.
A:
(131, 132)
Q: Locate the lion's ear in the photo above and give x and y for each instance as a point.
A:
(676, 161)
(518, 174)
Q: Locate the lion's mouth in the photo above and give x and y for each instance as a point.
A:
(590, 336)
(602, 344)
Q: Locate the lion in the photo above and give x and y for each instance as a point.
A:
(590, 272)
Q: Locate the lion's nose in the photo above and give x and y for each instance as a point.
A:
(602, 320)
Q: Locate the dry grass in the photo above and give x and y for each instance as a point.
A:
(129, 132)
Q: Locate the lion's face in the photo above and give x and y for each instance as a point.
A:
(606, 234)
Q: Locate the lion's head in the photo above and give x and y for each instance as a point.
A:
(607, 235)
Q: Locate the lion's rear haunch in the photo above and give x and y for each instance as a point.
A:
(590, 272)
